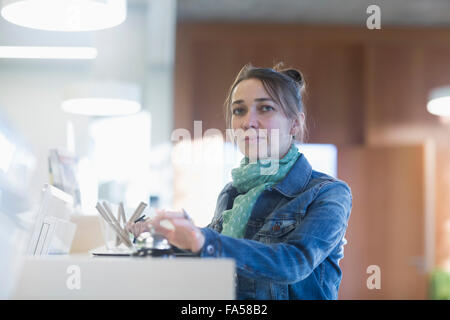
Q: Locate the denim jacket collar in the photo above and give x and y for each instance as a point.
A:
(293, 183)
(296, 179)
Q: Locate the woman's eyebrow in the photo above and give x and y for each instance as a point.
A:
(257, 100)
(263, 99)
(237, 102)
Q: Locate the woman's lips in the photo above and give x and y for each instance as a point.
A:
(254, 139)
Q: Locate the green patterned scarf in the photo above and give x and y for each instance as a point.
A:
(251, 179)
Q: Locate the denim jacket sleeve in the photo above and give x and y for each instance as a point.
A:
(320, 231)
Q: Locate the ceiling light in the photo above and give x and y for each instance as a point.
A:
(23, 52)
(102, 99)
(65, 15)
(439, 101)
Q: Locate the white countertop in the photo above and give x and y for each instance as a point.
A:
(86, 277)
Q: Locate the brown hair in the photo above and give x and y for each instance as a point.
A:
(285, 86)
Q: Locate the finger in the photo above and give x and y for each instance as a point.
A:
(169, 215)
(171, 225)
(164, 211)
(181, 223)
(131, 228)
(159, 212)
(143, 227)
(136, 231)
(138, 227)
(166, 223)
(166, 233)
(160, 225)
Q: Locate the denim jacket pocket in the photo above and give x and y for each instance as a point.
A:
(275, 230)
(245, 289)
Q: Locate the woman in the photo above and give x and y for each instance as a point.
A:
(282, 222)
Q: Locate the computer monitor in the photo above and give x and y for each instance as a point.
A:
(52, 231)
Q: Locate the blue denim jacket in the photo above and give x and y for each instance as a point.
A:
(294, 238)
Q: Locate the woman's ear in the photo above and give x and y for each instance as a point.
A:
(297, 124)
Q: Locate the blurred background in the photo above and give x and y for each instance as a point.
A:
(165, 67)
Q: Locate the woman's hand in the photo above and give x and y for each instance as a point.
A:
(136, 228)
(178, 229)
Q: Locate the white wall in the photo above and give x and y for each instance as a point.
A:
(31, 91)
(31, 99)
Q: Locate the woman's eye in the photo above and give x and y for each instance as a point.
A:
(238, 111)
(267, 108)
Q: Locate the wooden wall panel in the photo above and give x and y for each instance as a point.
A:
(353, 163)
(436, 65)
(442, 216)
(334, 99)
(396, 94)
(400, 77)
(386, 223)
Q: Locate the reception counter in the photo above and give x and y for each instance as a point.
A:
(94, 277)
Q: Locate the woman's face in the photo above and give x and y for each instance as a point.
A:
(259, 124)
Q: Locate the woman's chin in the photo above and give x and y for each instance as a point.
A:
(261, 154)
(256, 155)
(259, 151)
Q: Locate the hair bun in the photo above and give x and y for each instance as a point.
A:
(294, 74)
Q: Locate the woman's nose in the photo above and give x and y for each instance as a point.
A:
(251, 121)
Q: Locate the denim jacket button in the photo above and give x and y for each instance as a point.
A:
(210, 249)
(276, 227)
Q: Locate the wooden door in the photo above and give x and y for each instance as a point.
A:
(387, 223)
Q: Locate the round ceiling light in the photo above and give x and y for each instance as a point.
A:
(439, 101)
(102, 99)
(65, 15)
